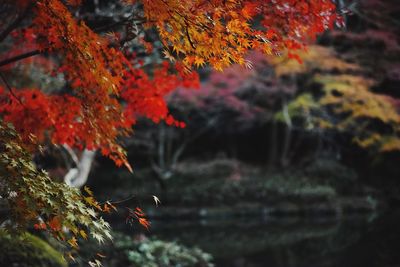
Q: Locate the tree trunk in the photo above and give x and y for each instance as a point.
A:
(77, 177)
(272, 143)
(287, 135)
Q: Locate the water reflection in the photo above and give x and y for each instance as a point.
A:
(360, 240)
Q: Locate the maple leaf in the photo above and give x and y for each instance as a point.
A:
(92, 202)
(40, 226)
(55, 224)
(73, 242)
(144, 222)
(169, 56)
(95, 263)
(110, 88)
(110, 205)
(106, 208)
(70, 256)
(128, 166)
(87, 190)
(83, 234)
(156, 200)
(139, 212)
(199, 62)
(98, 237)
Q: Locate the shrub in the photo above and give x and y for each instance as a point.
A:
(27, 250)
(158, 253)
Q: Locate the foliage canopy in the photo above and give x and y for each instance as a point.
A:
(108, 80)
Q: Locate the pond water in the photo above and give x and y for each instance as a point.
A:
(359, 240)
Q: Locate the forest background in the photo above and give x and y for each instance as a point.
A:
(310, 133)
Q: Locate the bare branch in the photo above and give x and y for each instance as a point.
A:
(20, 57)
(10, 89)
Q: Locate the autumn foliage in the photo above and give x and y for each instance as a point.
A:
(345, 102)
(106, 86)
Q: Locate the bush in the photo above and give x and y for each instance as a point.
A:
(27, 250)
(157, 253)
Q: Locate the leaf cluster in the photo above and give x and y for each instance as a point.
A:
(36, 199)
(344, 102)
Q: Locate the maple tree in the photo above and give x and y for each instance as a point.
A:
(345, 102)
(107, 83)
(227, 103)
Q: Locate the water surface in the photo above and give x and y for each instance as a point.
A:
(358, 240)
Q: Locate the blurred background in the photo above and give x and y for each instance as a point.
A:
(281, 165)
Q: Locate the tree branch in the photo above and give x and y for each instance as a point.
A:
(77, 177)
(37, 52)
(72, 154)
(10, 89)
(20, 57)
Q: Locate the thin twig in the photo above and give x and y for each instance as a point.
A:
(10, 89)
(118, 201)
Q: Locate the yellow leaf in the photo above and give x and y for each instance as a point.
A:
(87, 190)
(73, 242)
(199, 61)
(69, 255)
(83, 234)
